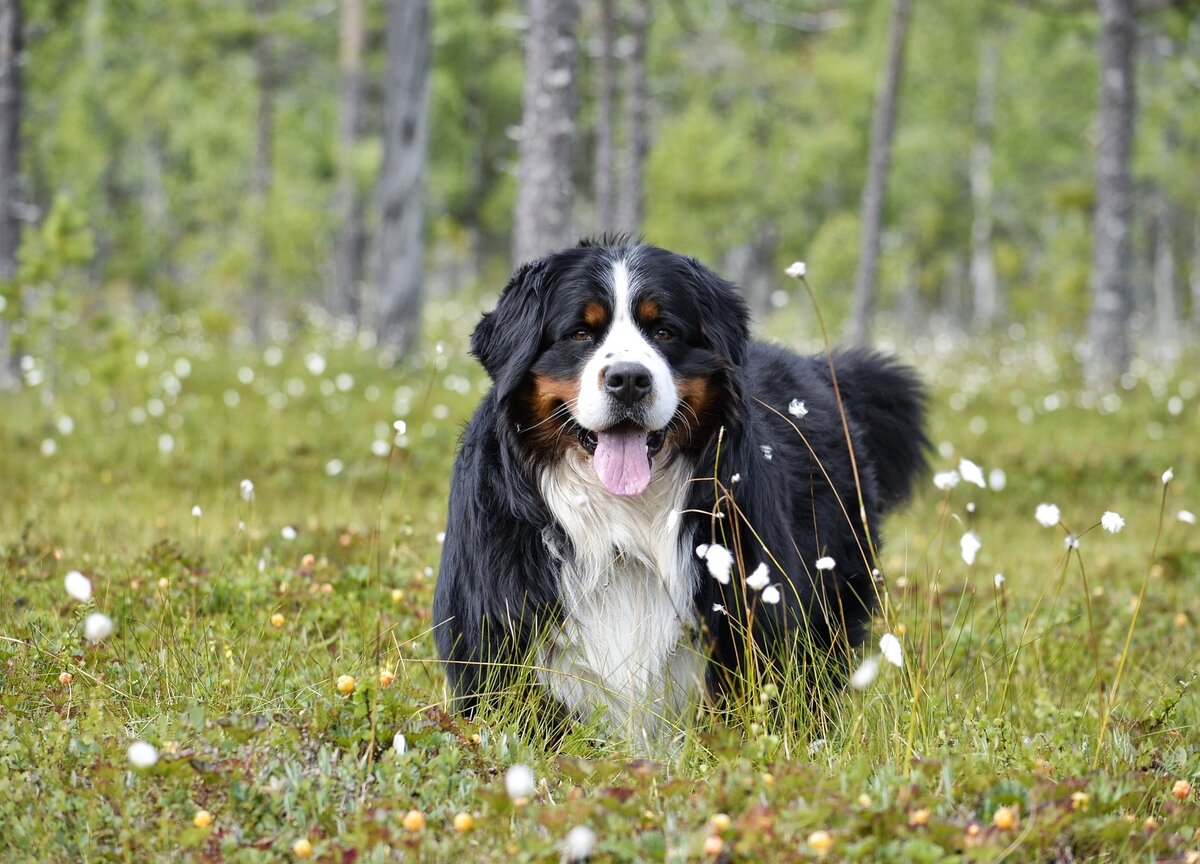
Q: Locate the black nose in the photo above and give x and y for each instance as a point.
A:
(627, 382)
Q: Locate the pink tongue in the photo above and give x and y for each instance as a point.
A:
(622, 463)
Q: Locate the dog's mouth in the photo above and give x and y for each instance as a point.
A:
(621, 455)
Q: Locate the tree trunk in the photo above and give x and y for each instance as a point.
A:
(879, 158)
(1194, 278)
(352, 237)
(260, 179)
(402, 184)
(10, 166)
(1166, 309)
(545, 193)
(603, 180)
(1109, 333)
(630, 207)
(987, 305)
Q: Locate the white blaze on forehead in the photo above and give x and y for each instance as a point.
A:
(624, 342)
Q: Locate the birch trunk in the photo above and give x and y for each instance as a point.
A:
(260, 178)
(545, 193)
(603, 179)
(879, 158)
(10, 165)
(631, 206)
(402, 184)
(985, 291)
(352, 237)
(1109, 336)
(1166, 309)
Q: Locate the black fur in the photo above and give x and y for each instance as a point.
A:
(497, 587)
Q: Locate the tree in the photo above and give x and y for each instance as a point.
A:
(630, 206)
(10, 163)
(352, 236)
(402, 181)
(545, 192)
(260, 178)
(603, 176)
(1109, 334)
(985, 289)
(879, 159)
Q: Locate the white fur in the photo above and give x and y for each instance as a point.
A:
(595, 409)
(627, 642)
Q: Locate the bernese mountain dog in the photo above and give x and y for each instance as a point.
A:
(640, 502)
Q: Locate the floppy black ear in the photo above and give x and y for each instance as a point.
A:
(506, 340)
(724, 313)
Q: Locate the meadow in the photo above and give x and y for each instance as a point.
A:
(271, 638)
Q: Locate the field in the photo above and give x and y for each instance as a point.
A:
(1048, 715)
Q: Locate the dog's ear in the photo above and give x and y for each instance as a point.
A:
(724, 313)
(506, 340)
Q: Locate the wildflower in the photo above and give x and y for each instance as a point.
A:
(820, 842)
(579, 843)
(1079, 800)
(346, 684)
(399, 743)
(864, 800)
(65, 678)
(736, 478)
(866, 673)
(287, 532)
(771, 595)
(49, 447)
(998, 581)
(386, 677)
(969, 546)
(946, 480)
(246, 489)
(889, 646)
(333, 467)
(277, 620)
(997, 479)
(1112, 522)
(1005, 818)
(713, 846)
(397, 595)
(720, 821)
(796, 408)
(717, 607)
(1186, 516)
(142, 754)
(1182, 790)
(97, 626)
(797, 270)
(78, 586)
(464, 822)
(918, 817)
(759, 579)
(520, 784)
(1071, 542)
(202, 819)
(414, 821)
(971, 473)
(718, 559)
(302, 848)
(825, 563)
(1168, 476)
(1047, 515)
(196, 511)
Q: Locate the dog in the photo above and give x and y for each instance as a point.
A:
(640, 502)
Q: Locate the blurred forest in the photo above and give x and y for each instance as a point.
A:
(261, 159)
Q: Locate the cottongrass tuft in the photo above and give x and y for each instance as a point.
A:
(142, 754)
(797, 270)
(78, 586)
(971, 473)
(1048, 515)
(771, 595)
(889, 646)
(246, 490)
(825, 563)
(520, 783)
(579, 844)
(969, 545)
(196, 511)
(1186, 516)
(946, 480)
(797, 409)
(400, 743)
(1111, 522)
(719, 560)
(998, 581)
(97, 626)
(866, 673)
(1168, 476)
(759, 579)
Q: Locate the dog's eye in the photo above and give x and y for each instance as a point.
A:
(582, 335)
(662, 334)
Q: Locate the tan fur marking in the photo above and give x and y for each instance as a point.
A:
(594, 314)
(648, 310)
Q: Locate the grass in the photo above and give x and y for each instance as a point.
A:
(1004, 735)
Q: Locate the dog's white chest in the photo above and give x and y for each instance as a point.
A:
(627, 642)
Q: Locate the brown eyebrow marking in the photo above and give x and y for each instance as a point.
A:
(648, 310)
(594, 313)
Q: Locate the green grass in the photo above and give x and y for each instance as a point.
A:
(1001, 700)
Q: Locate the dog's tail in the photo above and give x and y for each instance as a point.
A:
(887, 400)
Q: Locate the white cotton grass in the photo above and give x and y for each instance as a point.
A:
(1186, 516)
(971, 473)
(1048, 515)
(771, 595)
(246, 490)
(287, 532)
(866, 673)
(1168, 476)
(760, 578)
(519, 783)
(797, 270)
(142, 754)
(998, 581)
(797, 408)
(946, 480)
(579, 843)
(97, 627)
(399, 743)
(997, 480)
(718, 559)
(825, 563)
(889, 647)
(196, 511)
(78, 586)
(1112, 522)
(969, 546)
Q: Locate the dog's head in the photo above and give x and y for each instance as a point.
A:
(622, 351)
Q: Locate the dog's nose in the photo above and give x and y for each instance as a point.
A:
(627, 382)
